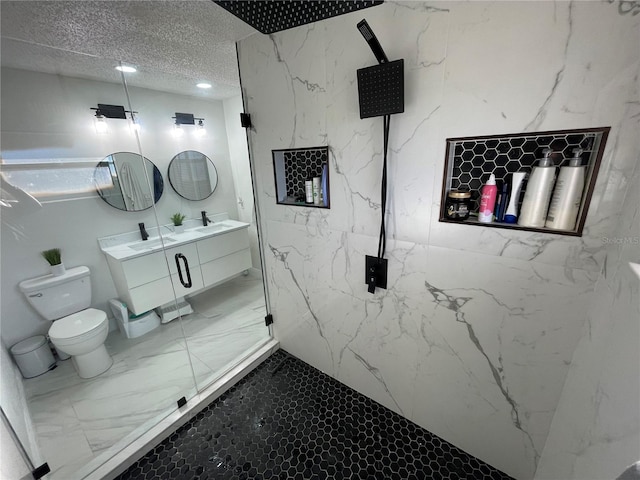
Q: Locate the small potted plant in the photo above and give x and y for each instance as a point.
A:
(177, 219)
(55, 260)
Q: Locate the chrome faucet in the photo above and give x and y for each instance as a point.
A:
(143, 232)
(205, 220)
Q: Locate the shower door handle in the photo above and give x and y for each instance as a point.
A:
(188, 283)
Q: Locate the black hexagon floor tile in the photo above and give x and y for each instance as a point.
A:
(289, 421)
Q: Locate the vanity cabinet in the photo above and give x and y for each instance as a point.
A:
(148, 281)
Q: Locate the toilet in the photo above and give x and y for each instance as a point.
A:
(77, 330)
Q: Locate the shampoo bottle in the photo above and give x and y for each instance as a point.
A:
(488, 200)
(511, 214)
(565, 201)
(538, 193)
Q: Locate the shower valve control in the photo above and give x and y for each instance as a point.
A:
(375, 273)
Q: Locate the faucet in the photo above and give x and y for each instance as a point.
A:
(143, 232)
(205, 220)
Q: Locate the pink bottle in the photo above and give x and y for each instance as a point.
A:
(488, 200)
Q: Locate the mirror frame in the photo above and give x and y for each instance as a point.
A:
(156, 173)
(175, 159)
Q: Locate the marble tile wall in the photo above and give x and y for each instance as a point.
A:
(474, 336)
(595, 432)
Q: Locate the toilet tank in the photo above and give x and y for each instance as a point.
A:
(56, 297)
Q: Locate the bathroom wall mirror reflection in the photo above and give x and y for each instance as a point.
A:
(128, 181)
(193, 175)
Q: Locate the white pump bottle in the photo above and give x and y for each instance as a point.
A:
(538, 193)
(567, 195)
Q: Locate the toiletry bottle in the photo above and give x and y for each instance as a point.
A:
(538, 193)
(325, 186)
(308, 189)
(511, 214)
(488, 200)
(317, 188)
(565, 202)
(503, 201)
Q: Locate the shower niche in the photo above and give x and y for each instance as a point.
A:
(470, 160)
(298, 169)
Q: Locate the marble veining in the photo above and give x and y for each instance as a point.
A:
(456, 304)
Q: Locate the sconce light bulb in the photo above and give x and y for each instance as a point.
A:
(200, 130)
(177, 130)
(100, 124)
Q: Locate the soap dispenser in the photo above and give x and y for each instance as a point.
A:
(538, 193)
(565, 202)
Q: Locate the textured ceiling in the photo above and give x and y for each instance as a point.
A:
(173, 43)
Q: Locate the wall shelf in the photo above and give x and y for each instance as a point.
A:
(291, 167)
(470, 160)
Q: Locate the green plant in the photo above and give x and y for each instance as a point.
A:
(52, 256)
(177, 219)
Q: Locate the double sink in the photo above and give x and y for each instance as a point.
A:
(124, 247)
(156, 242)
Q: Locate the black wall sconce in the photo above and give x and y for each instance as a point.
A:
(104, 111)
(188, 119)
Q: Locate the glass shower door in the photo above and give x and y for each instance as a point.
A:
(197, 140)
(74, 178)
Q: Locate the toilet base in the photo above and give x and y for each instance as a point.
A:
(92, 364)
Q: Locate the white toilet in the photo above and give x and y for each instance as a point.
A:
(77, 330)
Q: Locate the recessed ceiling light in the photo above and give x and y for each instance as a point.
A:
(125, 69)
(203, 85)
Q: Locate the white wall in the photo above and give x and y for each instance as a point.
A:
(241, 168)
(475, 334)
(48, 116)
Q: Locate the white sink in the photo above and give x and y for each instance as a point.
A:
(213, 227)
(150, 244)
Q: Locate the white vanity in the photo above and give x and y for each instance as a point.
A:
(200, 257)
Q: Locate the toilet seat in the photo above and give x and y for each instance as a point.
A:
(78, 327)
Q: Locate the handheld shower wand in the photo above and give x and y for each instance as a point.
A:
(372, 40)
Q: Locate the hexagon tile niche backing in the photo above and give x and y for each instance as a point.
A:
(289, 421)
(470, 160)
(301, 165)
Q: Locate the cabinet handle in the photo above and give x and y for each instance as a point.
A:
(188, 283)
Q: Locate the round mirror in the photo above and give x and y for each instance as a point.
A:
(128, 181)
(193, 175)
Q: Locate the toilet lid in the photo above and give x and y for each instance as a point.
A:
(77, 323)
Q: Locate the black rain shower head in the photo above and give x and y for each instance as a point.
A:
(373, 42)
(380, 87)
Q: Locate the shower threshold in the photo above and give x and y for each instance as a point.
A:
(116, 459)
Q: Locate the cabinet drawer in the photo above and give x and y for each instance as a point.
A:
(150, 295)
(145, 269)
(153, 294)
(222, 245)
(222, 268)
